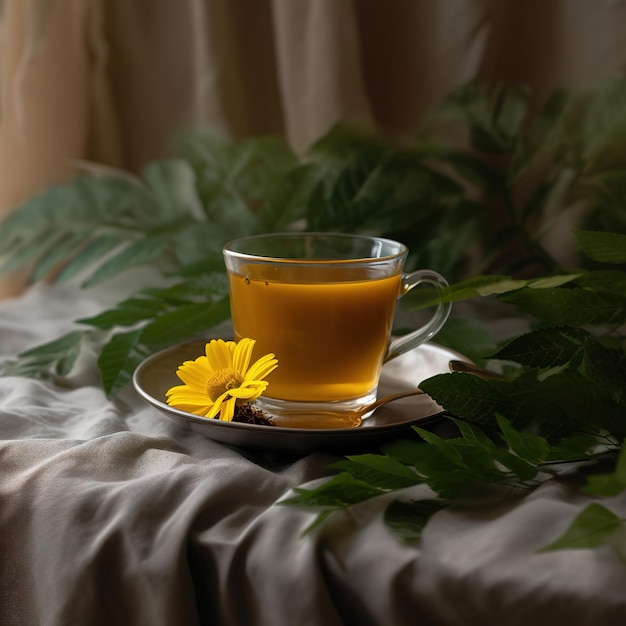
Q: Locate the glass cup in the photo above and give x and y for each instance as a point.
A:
(324, 304)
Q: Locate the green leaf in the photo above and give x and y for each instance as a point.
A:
(603, 127)
(591, 128)
(408, 519)
(474, 435)
(208, 265)
(174, 185)
(443, 475)
(205, 287)
(606, 369)
(30, 250)
(60, 354)
(137, 253)
(361, 188)
(126, 313)
(465, 395)
(569, 402)
(519, 467)
(570, 307)
(548, 282)
(93, 251)
(609, 281)
(494, 114)
(459, 227)
(286, 201)
(467, 336)
(555, 406)
(605, 485)
(376, 188)
(195, 242)
(320, 518)
(445, 447)
(234, 178)
(114, 202)
(526, 446)
(61, 249)
(454, 464)
(153, 302)
(118, 360)
(450, 480)
(541, 137)
(184, 322)
(594, 526)
(87, 208)
(602, 247)
(405, 451)
(573, 448)
(37, 217)
(539, 198)
(610, 484)
(478, 286)
(605, 192)
(378, 470)
(477, 171)
(340, 491)
(545, 347)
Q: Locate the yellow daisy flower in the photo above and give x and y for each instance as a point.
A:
(215, 382)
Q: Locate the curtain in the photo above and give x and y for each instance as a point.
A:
(114, 81)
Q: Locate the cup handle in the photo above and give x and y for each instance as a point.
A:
(433, 326)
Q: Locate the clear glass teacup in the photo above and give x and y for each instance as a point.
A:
(324, 304)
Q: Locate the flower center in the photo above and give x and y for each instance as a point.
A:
(223, 380)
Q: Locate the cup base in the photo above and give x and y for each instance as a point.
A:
(317, 415)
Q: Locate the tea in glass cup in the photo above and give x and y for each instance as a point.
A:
(324, 304)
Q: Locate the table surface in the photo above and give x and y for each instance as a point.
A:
(112, 513)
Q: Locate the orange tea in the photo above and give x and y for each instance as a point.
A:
(323, 303)
(330, 338)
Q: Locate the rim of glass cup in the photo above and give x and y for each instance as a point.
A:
(362, 260)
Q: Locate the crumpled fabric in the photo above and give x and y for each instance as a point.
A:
(111, 513)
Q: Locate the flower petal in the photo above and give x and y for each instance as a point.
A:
(217, 406)
(173, 390)
(219, 354)
(228, 410)
(246, 393)
(264, 366)
(193, 408)
(194, 373)
(242, 354)
(186, 394)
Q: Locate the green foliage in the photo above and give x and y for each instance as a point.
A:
(593, 527)
(152, 319)
(452, 468)
(407, 519)
(468, 336)
(596, 525)
(603, 247)
(57, 356)
(470, 195)
(565, 402)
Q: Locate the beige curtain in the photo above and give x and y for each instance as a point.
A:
(113, 80)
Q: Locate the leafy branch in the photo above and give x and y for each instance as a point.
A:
(565, 401)
(469, 195)
(473, 195)
(176, 217)
(452, 468)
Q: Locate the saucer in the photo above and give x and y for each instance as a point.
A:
(156, 374)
